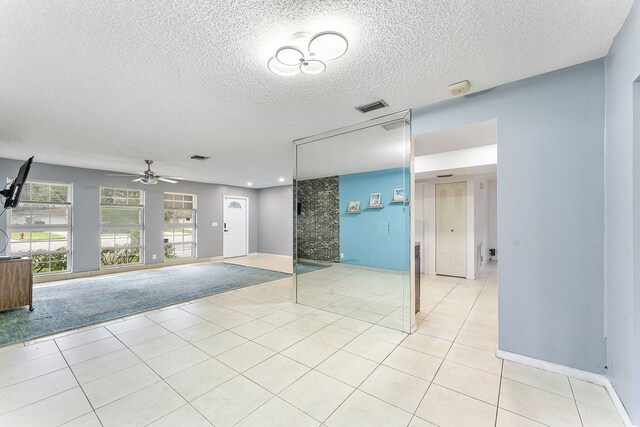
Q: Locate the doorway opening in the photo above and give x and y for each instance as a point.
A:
(456, 211)
(456, 183)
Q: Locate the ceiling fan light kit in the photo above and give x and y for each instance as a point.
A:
(308, 54)
(149, 177)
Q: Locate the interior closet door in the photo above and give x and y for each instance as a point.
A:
(451, 229)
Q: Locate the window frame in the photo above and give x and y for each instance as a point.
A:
(45, 228)
(127, 227)
(192, 226)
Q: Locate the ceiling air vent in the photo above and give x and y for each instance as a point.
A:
(373, 106)
(199, 157)
(444, 176)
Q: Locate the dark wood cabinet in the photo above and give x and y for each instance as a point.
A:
(16, 283)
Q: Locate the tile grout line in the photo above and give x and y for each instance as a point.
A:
(161, 380)
(310, 370)
(44, 398)
(454, 340)
(499, 391)
(437, 370)
(80, 386)
(249, 379)
(575, 401)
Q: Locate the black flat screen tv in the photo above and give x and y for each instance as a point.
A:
(12, 193)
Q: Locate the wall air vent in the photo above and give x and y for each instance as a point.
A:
(373, 106)
(444, 176)
(199, 157)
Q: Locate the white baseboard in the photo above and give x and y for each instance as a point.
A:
(591, 377)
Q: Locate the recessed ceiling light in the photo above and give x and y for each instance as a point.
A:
(281, 179)
(328, 45)
(249, 184)
(308, 54)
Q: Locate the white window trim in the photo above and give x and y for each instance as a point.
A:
(140, 227)
(34, 228)
(193, 226)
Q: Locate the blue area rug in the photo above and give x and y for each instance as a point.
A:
(84, 302)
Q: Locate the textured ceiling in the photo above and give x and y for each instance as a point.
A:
(106, 84)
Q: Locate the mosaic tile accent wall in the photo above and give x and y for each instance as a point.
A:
(318, 224)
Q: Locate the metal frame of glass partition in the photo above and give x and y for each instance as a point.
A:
(395, 120)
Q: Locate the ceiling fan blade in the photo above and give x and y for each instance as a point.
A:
(122, 174)
(137, 180)
(170, 181)
(177, 178)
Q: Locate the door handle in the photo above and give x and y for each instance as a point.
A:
(226, 231)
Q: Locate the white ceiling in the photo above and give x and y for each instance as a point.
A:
(490, 171)
(458, 138)
(468, 157)
(470, 149)
(107, 84)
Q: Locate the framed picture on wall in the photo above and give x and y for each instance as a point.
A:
(398, 195)
(374, 199)
(353, 206)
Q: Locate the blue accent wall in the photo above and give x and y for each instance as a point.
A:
(362, 239)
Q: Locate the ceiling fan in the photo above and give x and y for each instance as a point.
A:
(149, 177)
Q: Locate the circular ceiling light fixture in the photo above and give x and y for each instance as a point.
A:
(312, 66)
(289, 55)
(280, 69)
(308, 54)
(328, 45)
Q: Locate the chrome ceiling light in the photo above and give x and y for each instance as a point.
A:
(308, 54)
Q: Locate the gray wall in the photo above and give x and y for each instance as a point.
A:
(86, 212)
(622, 214)
(493, 217)
(551, 222)
(275, 224)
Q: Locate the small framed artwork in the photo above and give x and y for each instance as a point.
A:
(398, 195)
(353, 206)
(374, 199)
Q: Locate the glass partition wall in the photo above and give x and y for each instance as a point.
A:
(352, 201)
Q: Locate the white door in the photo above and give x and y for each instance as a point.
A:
(451, 229)
(234, 240)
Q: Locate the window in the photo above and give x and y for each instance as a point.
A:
(179, 225)
(40, 227)
(122, 226)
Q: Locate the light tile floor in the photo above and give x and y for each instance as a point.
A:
(250, 357)
(371, 295)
